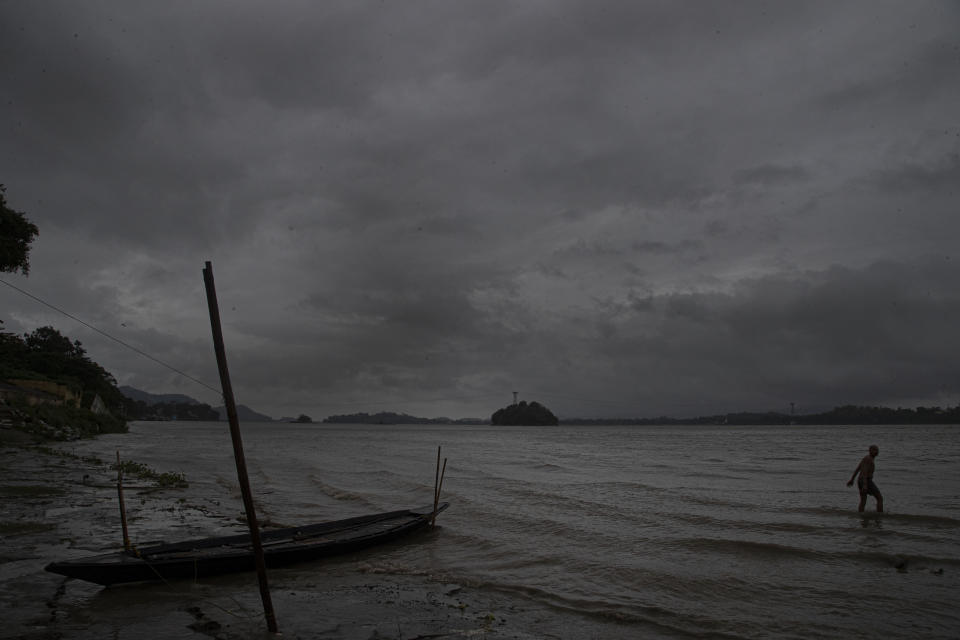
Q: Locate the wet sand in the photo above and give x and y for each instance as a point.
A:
(50, 511)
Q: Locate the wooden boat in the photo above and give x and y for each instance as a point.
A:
(215, 556)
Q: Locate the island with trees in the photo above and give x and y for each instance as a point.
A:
(524, 414)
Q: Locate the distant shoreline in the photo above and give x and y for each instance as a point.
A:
(173, 406)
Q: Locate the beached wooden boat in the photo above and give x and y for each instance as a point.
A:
(215, 556)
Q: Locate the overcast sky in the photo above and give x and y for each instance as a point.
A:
(615, 208)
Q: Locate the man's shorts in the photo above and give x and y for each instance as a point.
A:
(867, 487)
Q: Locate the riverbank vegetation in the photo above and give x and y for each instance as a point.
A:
(49, 388)
(54, 391)
(143, 472)
(165, 479)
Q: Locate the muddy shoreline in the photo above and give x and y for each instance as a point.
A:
(57, 505)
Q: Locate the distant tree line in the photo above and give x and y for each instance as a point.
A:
(388, 417)
(848, 414)
(140, 410)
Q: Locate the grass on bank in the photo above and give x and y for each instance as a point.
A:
(166, 480)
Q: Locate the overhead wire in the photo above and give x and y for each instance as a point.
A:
(219, 392)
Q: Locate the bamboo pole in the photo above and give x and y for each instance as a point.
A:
(123, 509)
(437, 486)
(238, 456)
(439, 489)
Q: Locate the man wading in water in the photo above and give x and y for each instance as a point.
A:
(865, 482)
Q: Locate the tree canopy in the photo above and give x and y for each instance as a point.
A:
(16, 235)
(47, 354)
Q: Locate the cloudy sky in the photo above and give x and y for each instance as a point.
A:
(615, 208)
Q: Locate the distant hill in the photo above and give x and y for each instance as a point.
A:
(156, 398)
(245, 414)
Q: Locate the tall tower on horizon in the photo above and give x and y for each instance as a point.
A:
(515, 397)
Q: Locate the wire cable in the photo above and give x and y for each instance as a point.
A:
(219, 392)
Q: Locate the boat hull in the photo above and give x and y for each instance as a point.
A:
(217, 556)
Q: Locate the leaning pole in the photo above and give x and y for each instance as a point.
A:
(238, 448)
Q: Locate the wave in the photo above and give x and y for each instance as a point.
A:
(645, 619)
(742, 547)
(551, 504)
(717, 502)
(936, 521)
(547, 466)
(658, 619)
(512, 533)
(712, 475)
(901, 561)
(892, 516)
(772, 550)
(778, 526)
(339, 494)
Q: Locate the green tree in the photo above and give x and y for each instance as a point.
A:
(54, 356)
(13, 354)
(16, 235)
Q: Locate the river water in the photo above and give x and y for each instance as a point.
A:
(673, 532)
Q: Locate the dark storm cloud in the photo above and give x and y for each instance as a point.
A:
(644, 203)
(771, 174)
(917, 72)
(821, 339)
(941, 175)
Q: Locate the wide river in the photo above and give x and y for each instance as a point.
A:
(674, 532)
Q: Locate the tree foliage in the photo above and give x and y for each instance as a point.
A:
(46, 354)
(16, 235)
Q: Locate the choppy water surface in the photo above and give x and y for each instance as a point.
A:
(651, 531)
